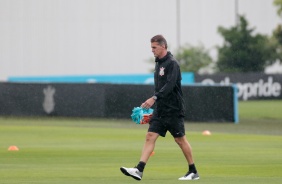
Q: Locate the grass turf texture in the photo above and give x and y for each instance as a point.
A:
(60, 151)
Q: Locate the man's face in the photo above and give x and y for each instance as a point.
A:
(157, 49)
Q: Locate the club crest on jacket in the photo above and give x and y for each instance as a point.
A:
(162, 71)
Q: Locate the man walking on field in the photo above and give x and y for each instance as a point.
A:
(169, 112)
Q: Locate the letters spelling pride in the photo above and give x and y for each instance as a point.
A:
(256, 89)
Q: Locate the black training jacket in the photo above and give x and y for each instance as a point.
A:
(168, 90)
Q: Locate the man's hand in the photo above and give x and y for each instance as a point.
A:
(148, 103)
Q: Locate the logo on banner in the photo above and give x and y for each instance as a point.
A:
(162, 71)
(49, 103)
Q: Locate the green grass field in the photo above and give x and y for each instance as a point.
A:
(84, 151)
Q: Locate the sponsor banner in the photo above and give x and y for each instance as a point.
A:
(250, 86)
(187, 78)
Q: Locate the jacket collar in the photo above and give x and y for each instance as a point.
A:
(164, 58)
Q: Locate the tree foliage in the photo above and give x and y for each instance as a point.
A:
(193, 58)
(243, 51)
(278, 3)
(277, 33)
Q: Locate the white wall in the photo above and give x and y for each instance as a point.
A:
(79, 37)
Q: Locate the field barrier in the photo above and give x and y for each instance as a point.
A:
(203, 103)
(251, 86)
